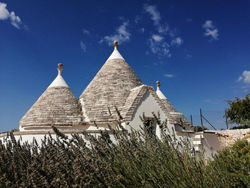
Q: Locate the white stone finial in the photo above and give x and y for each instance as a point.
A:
(115, 54)
(60, 68)
(158, 91)
(59, 81)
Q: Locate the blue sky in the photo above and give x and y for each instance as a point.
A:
(198, 50)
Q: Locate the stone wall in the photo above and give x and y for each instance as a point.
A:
(228, 137)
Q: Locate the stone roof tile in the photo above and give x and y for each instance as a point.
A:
(108, 90)
(56, 106)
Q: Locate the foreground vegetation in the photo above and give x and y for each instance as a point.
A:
(136, 160)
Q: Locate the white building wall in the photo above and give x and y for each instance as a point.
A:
(148, 105)
(210, 144)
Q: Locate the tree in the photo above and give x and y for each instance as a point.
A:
(239, 111)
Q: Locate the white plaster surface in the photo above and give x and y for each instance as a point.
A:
(160, 94)
(115, 55)
(59, 82)
(210, 144)
(147, 106)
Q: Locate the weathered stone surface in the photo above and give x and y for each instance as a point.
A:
(168, 105)
(229, 137)
(134, 99)
(109, 89)
(56, 106)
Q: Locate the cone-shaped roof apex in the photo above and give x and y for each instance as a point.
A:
(158, 91)
(110, 87)
(56, 106)
(59, 81)
(115, 54)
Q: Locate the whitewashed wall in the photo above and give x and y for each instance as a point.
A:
(147, 106)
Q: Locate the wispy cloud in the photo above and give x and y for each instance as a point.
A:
(156, 18)
(177, 41)
(245, 77)
(157, 38)
(159, 47)
(168, 75)
(210, 30)
(85, 32)
(164, 38)
(10, 16)
(83, 46)
(154, 13)
(121, 34)
(188, 56)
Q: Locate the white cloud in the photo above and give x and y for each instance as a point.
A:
(188, 56)
(210, 30)
(85, 31)
(245, 77)
(154, 13)
(4, 13)
(157, 38)
(164, 29)
(121, 35)
(159, 48)
(11, 16)
(15, 20)
(169, 75)
(142, 29)
(177, 41)
(83, 46)
(137, 19)
(164, 38)
(208, 24)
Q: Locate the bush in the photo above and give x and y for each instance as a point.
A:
(135, 160)
(232, 164)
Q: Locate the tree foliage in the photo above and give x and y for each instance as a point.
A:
(239, 111)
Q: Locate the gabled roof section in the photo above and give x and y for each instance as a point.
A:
(56, 106)
(134, 99)
(109, 88)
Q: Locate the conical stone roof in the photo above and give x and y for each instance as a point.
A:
(56, 106)
(175, 115)
(109, 88)
(165, 101)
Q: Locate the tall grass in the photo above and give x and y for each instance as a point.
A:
(134, 160)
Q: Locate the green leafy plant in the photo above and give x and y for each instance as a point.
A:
(239, 111)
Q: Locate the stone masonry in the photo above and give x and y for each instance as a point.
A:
(56, 106)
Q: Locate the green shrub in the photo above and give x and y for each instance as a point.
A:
(232, 164)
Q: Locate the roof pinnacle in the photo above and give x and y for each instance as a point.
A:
(115, 54)
(158, 91)
(157, 84)
(60, 68)
(115, 44)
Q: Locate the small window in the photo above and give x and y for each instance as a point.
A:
(150, 125)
